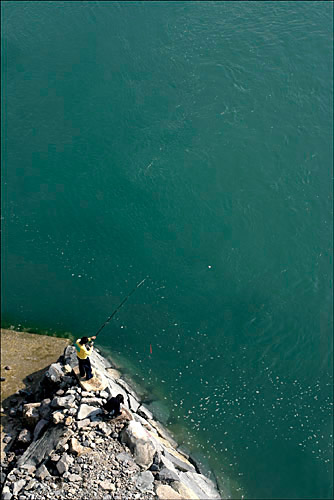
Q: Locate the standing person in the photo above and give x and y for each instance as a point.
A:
(83, 353)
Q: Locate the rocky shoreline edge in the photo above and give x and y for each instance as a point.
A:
(67, 449)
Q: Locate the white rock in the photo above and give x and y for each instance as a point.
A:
(87, 411)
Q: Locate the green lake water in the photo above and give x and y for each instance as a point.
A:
(190, 142)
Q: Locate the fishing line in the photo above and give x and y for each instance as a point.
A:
(120, 305)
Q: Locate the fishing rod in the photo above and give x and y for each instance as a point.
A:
(117, 308)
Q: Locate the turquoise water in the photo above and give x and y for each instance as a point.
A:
(191, 142)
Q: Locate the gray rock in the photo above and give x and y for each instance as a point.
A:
(91, 401)
(133, 403)
(168, 475)
(42, 472)
(83, 423)
(45, 409)
(70, 356)
(87, 411)
(128, 389)
(144, 481)
(178, 463)
(104, 428)
(24, 436)
(163, 433)
(40, 449)
(140, 443)
(60, 392)
(6, 494)
(64, 463)
(18, 485)
(55, 372)
(124, 457)
(74, 478)
(104, 394)
(64, 401)
(145, 413)
(107, 485)
(203, 487)
(7, 439)
(40, 427)
(28, 469)
(58, 417)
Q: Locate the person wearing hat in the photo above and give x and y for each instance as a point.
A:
(84, 350)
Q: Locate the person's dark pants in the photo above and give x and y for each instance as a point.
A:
(85, 368)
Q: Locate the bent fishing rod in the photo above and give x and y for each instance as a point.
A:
(120, 305)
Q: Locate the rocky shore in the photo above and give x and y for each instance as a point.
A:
(64, 446)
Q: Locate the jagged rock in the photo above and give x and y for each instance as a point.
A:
(144, 422)
(58, 417)
(74, 478)
(140, 443)
(167, 475)
(87, 411)
(124, 457)
(31, 414)
(163, 433)
(28, 469)
(60, 392)
(70, 356)
(55, 372)
(165, 492)
(18, 485)
(144, 412)
(40, 449)
(144, 481)
(128, 389)
(67, 368)
(42, 472)
(40, 427)
(68, 421)
(63, 402)
(107, 485)
(64, 463)
(83, 423)
(178, 461)
(45, 409)
(91, 401)
(7, 439)
(6, 494)
(185, 492)
(75, 447)
(104, 428)
(104, 394)
(203, 487)
(31, 485)
(133, 403)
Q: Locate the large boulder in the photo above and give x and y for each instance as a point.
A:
(203, 487)
(55, 372)
(165, 492)
(40, 427)
(88, 411)
(185, 492)
(140, 443)
(70, 356)
(144, 481)
(179, 461)
(41, 449)
(63, 401)
(64, 463)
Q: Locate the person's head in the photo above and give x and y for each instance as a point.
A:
(120, 398)
(83, 340)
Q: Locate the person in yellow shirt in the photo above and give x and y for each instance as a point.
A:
(83, 353)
